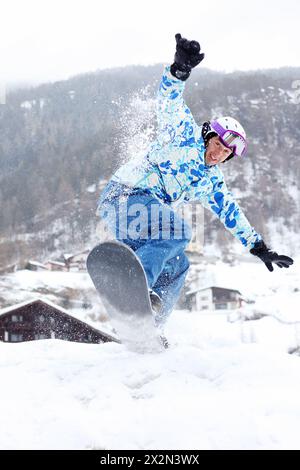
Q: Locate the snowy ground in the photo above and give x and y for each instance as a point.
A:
(225, 383)
(209, 391)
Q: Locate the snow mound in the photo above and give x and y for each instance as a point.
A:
(210, 390)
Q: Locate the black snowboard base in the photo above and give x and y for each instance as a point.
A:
(120, 279)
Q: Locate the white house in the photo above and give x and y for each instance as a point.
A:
(213, 298)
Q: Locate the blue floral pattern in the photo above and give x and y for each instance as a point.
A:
(174, 168)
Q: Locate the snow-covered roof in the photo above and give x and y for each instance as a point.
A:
(33, 300)
(66, 256)
(36, 263)
(57, 263)
(200, 289)
(69, 256)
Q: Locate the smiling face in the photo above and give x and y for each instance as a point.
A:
(216, 152)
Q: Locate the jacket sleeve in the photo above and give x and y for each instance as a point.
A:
(222, 203)
(175, 121)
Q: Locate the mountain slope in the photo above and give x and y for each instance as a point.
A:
(57, 140)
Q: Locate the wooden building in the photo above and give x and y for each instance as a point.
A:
(214, 298)
(41, 319)
(77, 261)
(35, 266)
(57, 266)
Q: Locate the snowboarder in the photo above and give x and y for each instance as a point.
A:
(181, 165)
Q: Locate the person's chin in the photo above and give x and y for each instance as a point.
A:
(210, 162)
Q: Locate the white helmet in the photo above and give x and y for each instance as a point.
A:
(231, 134)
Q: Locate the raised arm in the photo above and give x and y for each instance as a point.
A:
(175, 121)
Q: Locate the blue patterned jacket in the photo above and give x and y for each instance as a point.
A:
(174, 168)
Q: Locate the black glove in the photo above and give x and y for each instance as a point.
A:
(187, 56)
(269, 257)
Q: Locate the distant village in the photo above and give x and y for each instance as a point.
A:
(195, 296)
(67, 262)
(40, 319)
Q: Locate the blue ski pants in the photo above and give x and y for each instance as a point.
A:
(155, 232)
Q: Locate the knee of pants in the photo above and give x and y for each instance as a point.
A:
(184, 264)
(175, 268)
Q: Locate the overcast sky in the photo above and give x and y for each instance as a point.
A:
(54, 39)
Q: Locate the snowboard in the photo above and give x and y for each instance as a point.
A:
(121, 282)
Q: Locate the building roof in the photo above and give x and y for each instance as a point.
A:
(36, 263)
(194, 291)
(68, 256)
(13, 308)
(57, 263)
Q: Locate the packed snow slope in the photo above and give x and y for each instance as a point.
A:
(226, 382)
(210, 390)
